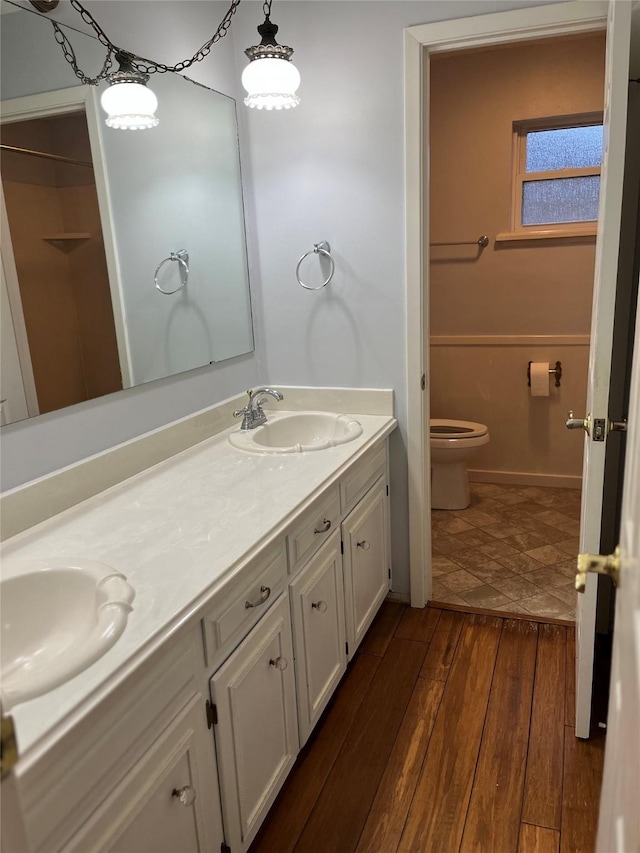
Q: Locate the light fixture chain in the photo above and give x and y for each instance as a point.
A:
(88, 18)
(146, 66)
(266, 8)
(70, 56)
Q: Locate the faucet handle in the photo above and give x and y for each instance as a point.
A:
(239, 413)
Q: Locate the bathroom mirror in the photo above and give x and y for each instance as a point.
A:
(130, 252)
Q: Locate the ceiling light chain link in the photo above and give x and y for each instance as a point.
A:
(70, 56)
(146, 66)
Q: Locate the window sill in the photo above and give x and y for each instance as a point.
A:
(587, 232)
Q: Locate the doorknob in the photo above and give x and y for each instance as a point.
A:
(609, 565)
(579, 423)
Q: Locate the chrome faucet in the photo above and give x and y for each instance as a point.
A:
(252, 415)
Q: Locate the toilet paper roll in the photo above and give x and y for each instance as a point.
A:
(539, 378)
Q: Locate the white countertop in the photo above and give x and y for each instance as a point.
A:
(178, 531)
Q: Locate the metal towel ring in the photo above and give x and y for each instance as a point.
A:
(182, 257)
(322, 248)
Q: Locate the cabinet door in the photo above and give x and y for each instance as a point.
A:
(257, 729)
(317, 606)
(366, 564)
(168, 802)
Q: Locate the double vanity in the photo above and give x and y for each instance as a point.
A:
(253, 562)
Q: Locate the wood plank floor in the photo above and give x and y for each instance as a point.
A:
(450, 732)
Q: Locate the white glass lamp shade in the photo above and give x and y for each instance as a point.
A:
(271, 84)
(129, 106)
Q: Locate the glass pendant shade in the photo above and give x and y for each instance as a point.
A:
(129, 106)
(271, 84)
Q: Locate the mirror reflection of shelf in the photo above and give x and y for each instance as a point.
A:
(67, 241)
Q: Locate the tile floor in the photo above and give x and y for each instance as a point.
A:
(513, 550)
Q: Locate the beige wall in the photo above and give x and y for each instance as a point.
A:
(520, 290)
(64, 286)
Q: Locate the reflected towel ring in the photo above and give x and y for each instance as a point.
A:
(182, 257)
(322, 248)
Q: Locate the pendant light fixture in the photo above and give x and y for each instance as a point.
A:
(128, 102)
(271, 79)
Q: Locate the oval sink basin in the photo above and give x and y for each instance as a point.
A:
(297, 432)
(57, 618)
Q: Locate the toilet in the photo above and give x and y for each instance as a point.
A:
(453, 443)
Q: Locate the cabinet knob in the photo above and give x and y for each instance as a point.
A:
(320, 606)
(265, 592)
(279, 663)
(186, 796)
(324, 527)
(364, 545)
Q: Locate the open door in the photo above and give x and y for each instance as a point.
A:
(602, 321)
(619, 822)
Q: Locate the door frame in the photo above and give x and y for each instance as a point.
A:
(61, 102)
(577, 16)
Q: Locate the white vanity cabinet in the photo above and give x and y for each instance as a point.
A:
(108, 782)
(256, 728)
(270, 692)
(317, 610)
(167, 803)
(151, 763)
(366, 562)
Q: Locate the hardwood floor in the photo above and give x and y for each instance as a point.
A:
(450, 732)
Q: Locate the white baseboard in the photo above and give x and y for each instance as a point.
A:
(522, 478)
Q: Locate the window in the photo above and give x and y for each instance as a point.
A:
(556, 181)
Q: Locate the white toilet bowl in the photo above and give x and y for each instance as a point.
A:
(453, 443)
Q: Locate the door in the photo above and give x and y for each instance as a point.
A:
(257, 729)
(366, 564)
(167, 802)
(604, 295)
(619, 823)
(317, 608)
(17, 385)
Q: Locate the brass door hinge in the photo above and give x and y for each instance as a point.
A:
(8, 747)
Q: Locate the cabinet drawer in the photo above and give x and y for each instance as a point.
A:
(357, 483)
(226, 624)
(314, 528)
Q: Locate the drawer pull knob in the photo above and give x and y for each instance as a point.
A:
(326, 525)
(265, 592)
(364, 545)
(279, 663)
(320, 606)
(186, 796)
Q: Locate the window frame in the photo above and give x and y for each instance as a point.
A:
(586, 228)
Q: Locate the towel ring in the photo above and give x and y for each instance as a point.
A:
(182, 257)
(322, 248)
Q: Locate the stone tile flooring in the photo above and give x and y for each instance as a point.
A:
(514, 549)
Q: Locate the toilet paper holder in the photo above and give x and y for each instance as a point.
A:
(557, 371)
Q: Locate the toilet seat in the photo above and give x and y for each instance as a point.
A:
(440, 428)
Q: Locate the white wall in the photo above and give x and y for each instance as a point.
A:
(332, 169)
